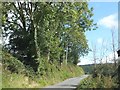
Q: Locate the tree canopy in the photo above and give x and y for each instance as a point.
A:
(42, 32)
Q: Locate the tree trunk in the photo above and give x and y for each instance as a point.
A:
(48, 56)
(35, 34)
(36, 44)
(66, 57)
(113, 47)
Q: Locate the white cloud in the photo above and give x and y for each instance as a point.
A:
(99, 40)
(110, 21)
(84, 61)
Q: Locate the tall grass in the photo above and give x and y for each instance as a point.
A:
(98, 82)
(14, 80)
(17, 75)
(60, 75)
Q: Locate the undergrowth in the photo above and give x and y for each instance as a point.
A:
(98, 82)
(24, 77)
(14, 80)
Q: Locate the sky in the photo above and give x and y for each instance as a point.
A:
(106, 17)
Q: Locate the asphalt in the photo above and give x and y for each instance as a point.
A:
(68, 84)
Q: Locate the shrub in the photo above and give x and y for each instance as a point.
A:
(11, 63)
(30, 72)
(98, 82)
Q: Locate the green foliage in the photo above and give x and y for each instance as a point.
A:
(98, 82)
(11, 63)
(44, 36)
(102, 77)
(54, 30)
(107, 69)
(58, 75)
(26, 77)
(88, 69)
(29, 72)
(14, 80)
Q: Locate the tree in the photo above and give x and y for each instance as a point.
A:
(19, 26)
(113, 46)
(39, 29)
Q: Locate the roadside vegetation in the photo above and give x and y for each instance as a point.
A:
(14, 80)
(103, 76)
(98, 82)
(26, 77)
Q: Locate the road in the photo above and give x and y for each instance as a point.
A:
(69, 84)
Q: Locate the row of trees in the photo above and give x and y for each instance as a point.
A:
(40, 32)
(106, 51)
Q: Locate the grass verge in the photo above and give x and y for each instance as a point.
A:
(14, 80)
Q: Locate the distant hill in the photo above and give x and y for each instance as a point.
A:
(89, 68)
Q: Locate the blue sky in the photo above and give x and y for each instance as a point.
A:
(106, 16)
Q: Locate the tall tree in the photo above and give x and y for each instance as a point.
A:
(19, 26)
(39, 29)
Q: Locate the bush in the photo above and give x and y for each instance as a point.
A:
(11, 63)
(98, 82)
(30, 72)
(15, 71)
(107, 69)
